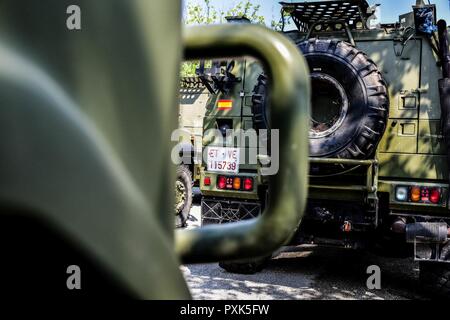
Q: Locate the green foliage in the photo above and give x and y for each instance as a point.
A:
(206, 13)
(248, 10)
(278, 25)
(188, 68)
(201, 14)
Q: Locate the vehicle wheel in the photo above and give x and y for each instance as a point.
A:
(245, 267)
(183, 195)
(349, 100)
(212, 214)
(435, 278)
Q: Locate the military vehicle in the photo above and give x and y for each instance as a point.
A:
(86, 201)
(193, 99)
(378, 138)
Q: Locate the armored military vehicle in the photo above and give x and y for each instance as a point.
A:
(378, 138)
(193, 98)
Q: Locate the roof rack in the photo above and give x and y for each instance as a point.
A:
(305, 14)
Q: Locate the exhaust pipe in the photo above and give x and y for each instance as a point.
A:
(421, 231)
(399, 225)
(435, 232)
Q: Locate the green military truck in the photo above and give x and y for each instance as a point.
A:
(193, 99)
(378, 136)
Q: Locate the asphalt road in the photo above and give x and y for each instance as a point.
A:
(306, 272)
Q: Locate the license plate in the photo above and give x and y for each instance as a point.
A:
(223, 159)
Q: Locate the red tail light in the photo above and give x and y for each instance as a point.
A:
(234, 183)
(207, 181)
(421, 194)
(435, 195)
(248, 184)
(221, 182)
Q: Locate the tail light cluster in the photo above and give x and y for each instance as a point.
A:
(418, 194)
(233, 183)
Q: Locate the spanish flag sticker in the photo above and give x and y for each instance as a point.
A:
(224, 104)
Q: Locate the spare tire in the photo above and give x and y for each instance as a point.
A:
(350, 100)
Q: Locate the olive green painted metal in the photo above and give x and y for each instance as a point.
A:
(290, 112)
(412, 147)
(193, 99)
(369, 185)
(78, 111)
(343, 161)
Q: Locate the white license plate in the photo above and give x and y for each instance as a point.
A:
(223, 159)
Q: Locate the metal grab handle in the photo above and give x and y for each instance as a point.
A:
(290, 109)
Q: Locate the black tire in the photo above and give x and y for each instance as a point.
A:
(244, 266)
(184, 177)
(358, 84)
